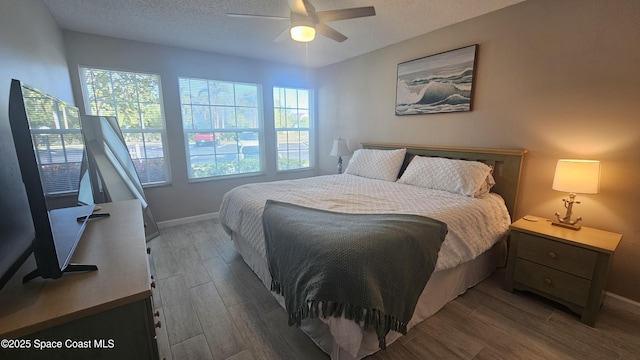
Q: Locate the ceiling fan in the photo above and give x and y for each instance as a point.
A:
(305, 21)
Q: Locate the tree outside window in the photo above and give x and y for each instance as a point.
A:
(135, 99)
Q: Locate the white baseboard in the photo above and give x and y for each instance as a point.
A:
(619, 302)
(187, 220)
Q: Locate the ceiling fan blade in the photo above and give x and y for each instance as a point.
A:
(298, 7)
(331, 33)
(310, 8)
(257, 16)
(343, 14)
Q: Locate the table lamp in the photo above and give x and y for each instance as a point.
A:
(340, 149)
(575, 176)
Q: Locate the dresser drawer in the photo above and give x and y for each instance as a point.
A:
(564, 286)
(572, 259)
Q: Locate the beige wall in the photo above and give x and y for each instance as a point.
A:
(559, 78)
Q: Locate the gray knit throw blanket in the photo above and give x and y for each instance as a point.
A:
(369, 268)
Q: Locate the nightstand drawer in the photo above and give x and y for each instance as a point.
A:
(553, 282)
(571, 259)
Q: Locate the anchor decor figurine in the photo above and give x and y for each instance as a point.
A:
(575, 176)
(566, 220)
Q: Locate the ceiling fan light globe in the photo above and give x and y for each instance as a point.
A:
(303, 33)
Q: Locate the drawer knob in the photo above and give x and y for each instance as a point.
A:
(153, 284)
(552, 255)
(158, 324)
(548, 281)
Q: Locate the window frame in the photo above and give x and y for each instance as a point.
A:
(232, 133)
(143, 132)
(310, 129)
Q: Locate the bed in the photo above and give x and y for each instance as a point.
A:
(395, 179)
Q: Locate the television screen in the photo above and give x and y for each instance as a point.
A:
(53, 234)
(16, 227)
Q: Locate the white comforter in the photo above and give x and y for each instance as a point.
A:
(474, 224)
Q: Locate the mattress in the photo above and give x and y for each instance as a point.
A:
(468, 255)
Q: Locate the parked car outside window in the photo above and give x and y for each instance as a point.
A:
(203, 139)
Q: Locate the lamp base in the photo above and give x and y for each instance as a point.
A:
(566, 221)
(565, 225)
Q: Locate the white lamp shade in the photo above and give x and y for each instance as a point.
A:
(303, 31)
(340, 148)
(577, 176)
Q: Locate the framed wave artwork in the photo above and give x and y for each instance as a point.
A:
(438, 83)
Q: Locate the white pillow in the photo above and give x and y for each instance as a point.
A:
(469, 178)
(486, 185)
(376, 164)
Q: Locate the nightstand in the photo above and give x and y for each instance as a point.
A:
(567, 266)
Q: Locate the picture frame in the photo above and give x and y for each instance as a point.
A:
(440, 83)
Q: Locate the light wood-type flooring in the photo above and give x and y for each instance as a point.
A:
(212, 306)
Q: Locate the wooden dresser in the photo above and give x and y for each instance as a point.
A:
(103, 314)
(564, 265)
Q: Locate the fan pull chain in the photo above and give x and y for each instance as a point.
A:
(306, 58)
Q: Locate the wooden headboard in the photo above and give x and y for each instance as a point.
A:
(506, 163)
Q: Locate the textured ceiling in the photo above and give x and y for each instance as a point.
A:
(203, 24)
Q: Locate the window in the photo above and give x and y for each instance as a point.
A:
(293, 125)
(134, 98)
(222, 125)
(55, 129)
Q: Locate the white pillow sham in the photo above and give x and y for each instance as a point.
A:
(468, 178)
(376, 164)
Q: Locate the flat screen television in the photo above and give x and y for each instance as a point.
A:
(16, 227)
(27, 223)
